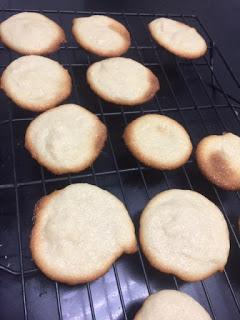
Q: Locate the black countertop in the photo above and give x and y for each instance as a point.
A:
(221, 17)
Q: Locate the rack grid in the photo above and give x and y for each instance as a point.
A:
(199, 94)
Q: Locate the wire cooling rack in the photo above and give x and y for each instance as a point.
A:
(199, 94)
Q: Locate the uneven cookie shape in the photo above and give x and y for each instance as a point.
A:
(122, 81)
(66, 139)
(218, 157)
(79, 232)
(158, 141)
(101, 35)
(31, 33)
(178, 38)
(36, 83)
(185, 234)
(171, 305)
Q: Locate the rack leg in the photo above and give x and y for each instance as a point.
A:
(211, 62)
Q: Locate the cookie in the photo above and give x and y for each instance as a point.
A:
(185, 234)
(66, 139)
(79, 232)
(178, 38)
(31, 33)
(122, 81)
(158, 141)
(171, 305)
(36, 83)
(218, 157)
(101, 35)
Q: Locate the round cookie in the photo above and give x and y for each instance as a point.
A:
(178, 38)
(36, 83)
(66, 139)
(185, 234)
(171, 305)
(31, 33)
(158, 141)
(101, 35)
(122, 81)
(218, 157)
(79, 232)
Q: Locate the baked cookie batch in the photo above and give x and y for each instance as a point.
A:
(81, 230)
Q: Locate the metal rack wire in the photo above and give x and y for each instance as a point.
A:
(184, 83)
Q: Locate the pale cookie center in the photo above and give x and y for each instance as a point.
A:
(159, 140)
(32, 33)
(62, 143)
(122, 80)
(70, 142)
(179, 36)
(84, 229)
(182, 231)
(101, 36)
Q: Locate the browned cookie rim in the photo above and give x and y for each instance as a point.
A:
(169, 48)
(39, 107)
(162, 266)
(99, 145)
(223, 177)
(34, 247)
(50, 49)
(154, 87)
(141, 156)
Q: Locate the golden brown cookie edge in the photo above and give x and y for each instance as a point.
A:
(65, 93)
(154, 87)
(178, 52)
(100, 142)
(36, 234)
(161, 266)
(54, 47)
(202, 162)
(127, 137)
(117, 26)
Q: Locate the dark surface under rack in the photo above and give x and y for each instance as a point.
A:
(200, 95)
